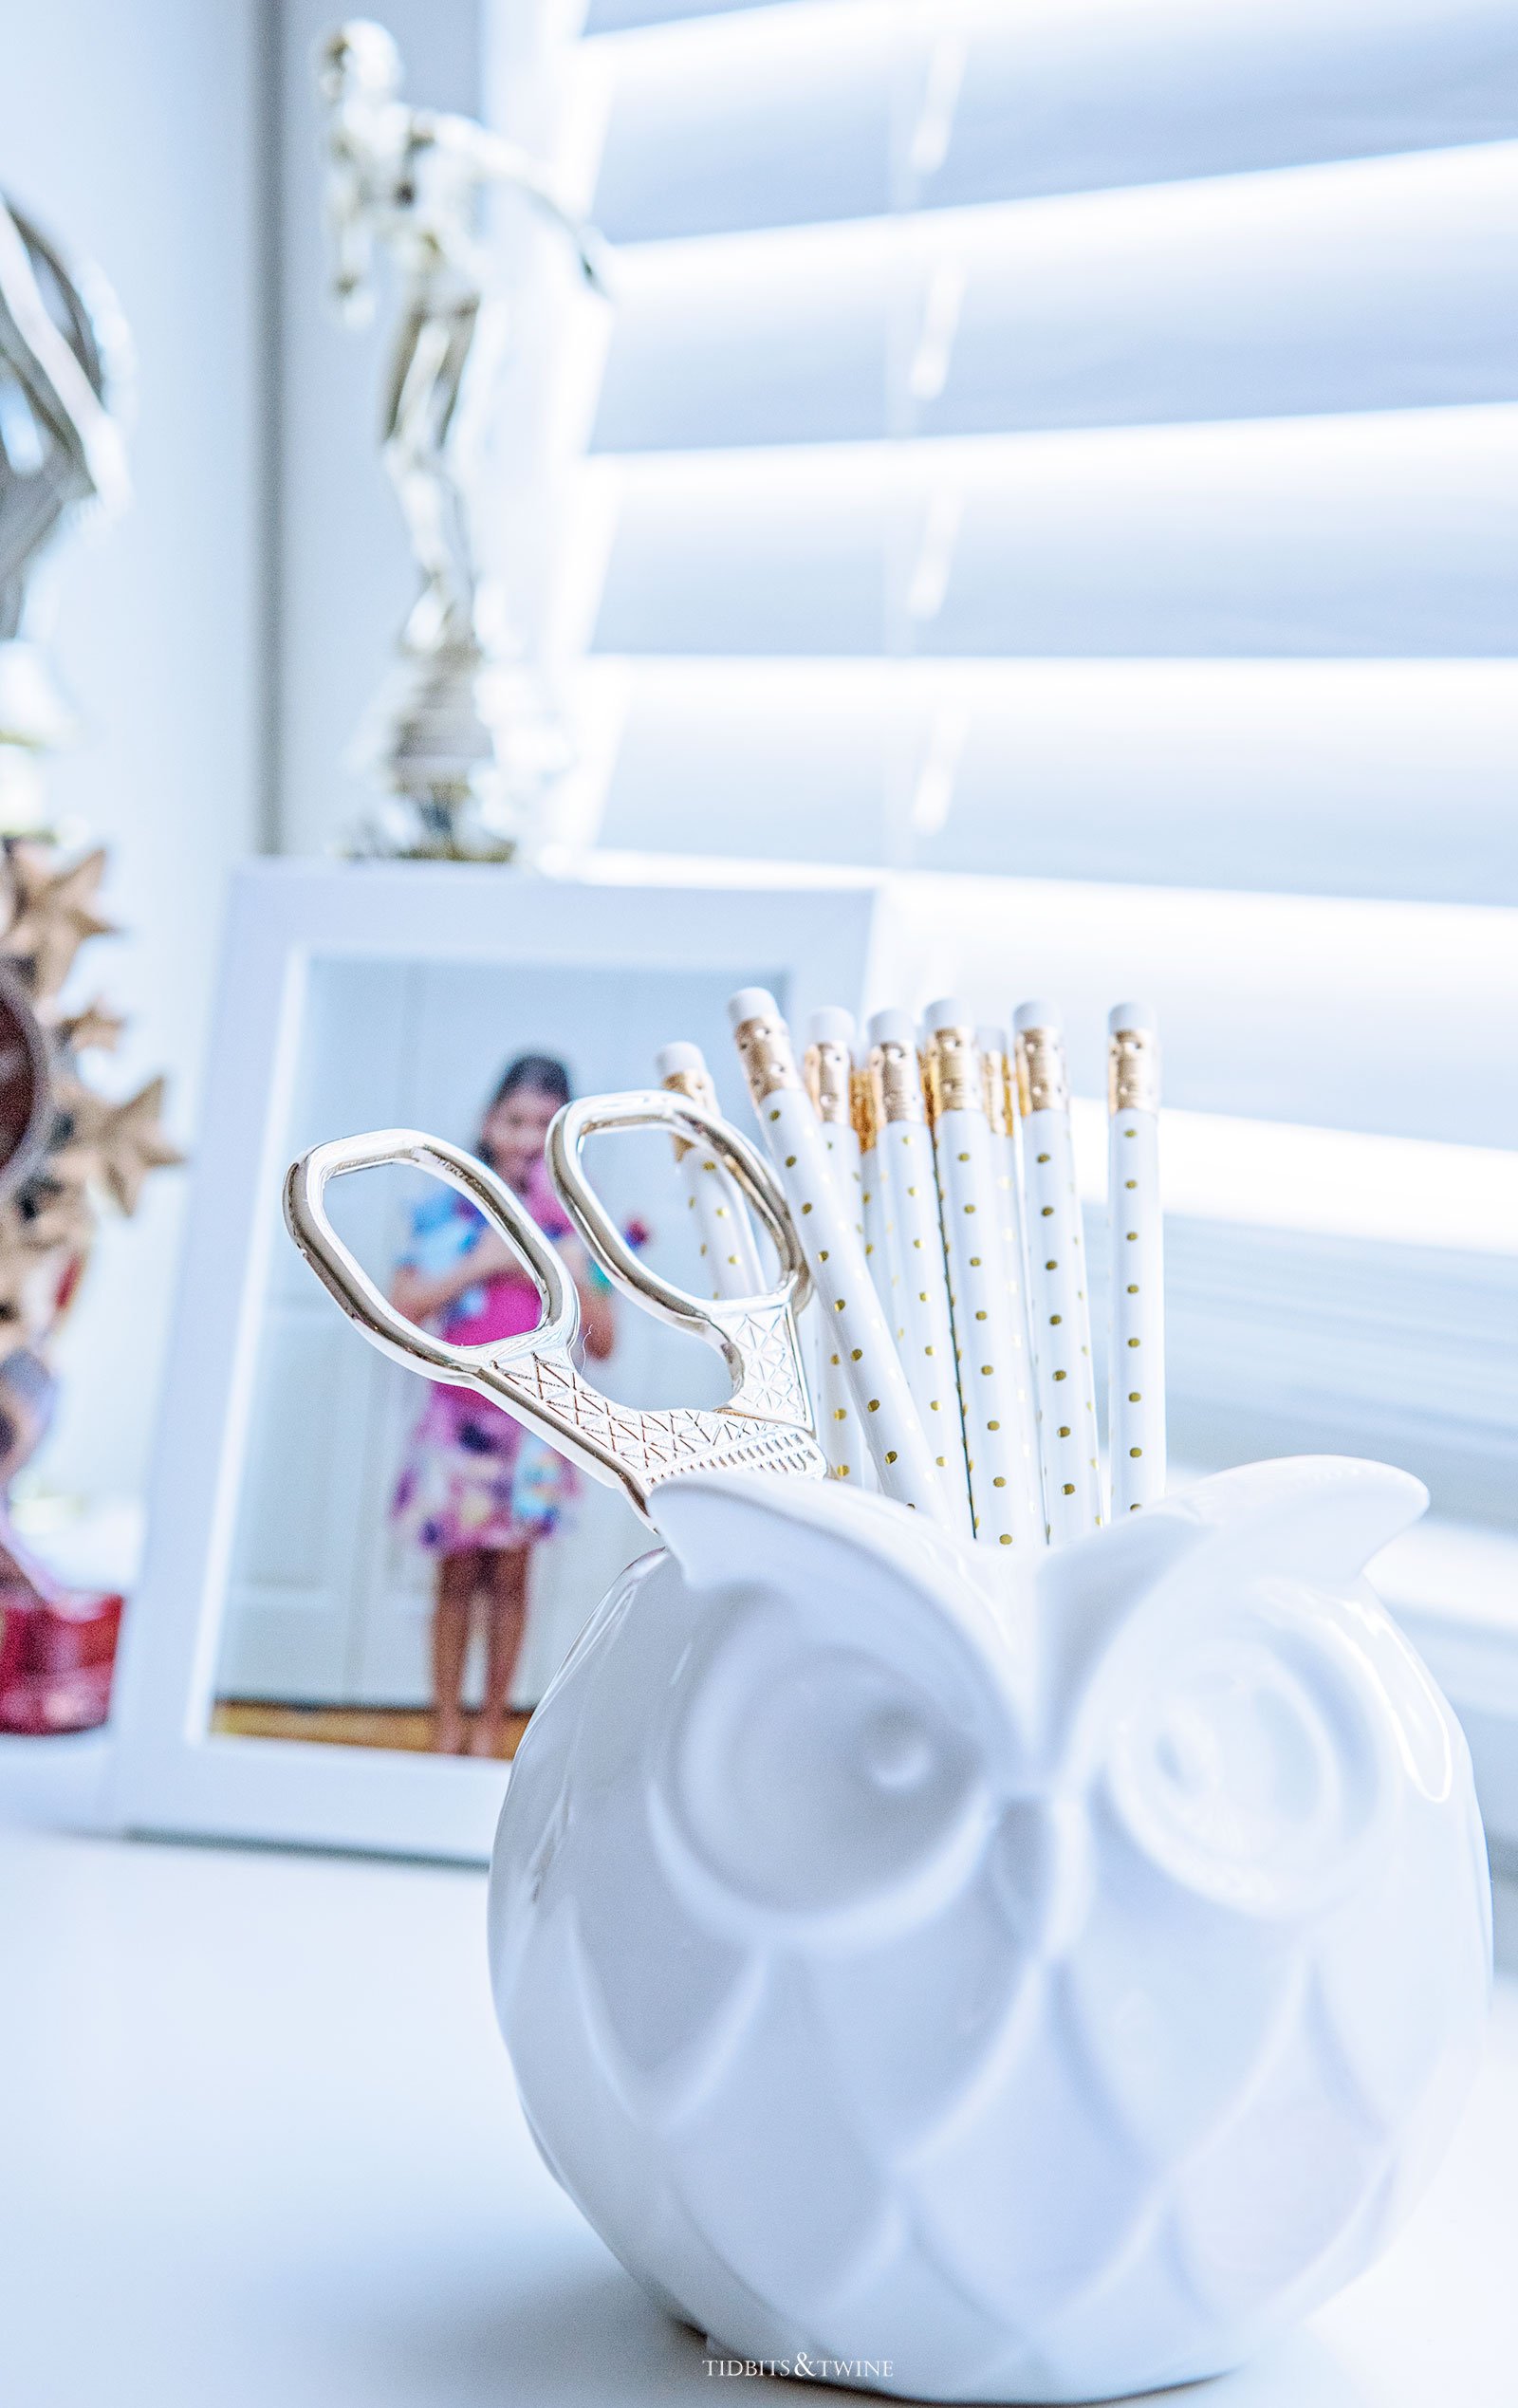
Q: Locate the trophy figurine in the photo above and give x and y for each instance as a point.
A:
(462, 736)
(63, 1147)
(64, 361)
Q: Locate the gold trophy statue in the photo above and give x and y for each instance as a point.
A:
(463, 739)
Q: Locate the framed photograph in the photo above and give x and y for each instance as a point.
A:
(357, 1585)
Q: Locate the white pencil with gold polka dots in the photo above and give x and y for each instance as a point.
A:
(827, 1068)
(1001, 1111)
(879, 1234)
(724, 1234)
(984, 1292)
(925, 1329)
(1057, 1295)
(1136, 1360)
(835, 1253)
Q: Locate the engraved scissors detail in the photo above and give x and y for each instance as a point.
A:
(766, 1425)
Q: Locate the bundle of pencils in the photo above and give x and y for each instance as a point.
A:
(930, 1177)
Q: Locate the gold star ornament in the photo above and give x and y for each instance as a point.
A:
(133, 1142)
(62, 1147)
(111, 1145)
(95, 1030)
(51, 913)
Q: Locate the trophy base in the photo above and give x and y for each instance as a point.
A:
(469, 752)
(409, 827)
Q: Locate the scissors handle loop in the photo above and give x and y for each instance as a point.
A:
(738, 1327)
(344, 1277)
(764, 1425)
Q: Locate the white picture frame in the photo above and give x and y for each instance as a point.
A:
(810, 939)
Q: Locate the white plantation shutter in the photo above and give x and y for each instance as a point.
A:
(1077, 441)
(988, 350)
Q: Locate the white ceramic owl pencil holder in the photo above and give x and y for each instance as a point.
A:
(1025, 1985)
(1050, 1986)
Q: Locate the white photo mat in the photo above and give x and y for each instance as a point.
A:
(401, 933)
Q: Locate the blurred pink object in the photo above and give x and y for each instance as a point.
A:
(57, 1647)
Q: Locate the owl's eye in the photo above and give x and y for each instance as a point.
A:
(807, 1776)
(1248, 1772)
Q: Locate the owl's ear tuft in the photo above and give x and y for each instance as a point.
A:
(1087, 1589)
(723, 1527)
(1321, 1517)
(726, 1527)
(1105, 1572)
(862, 1571)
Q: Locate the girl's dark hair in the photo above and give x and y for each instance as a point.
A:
(538, 1073)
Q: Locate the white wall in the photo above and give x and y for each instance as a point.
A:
(130, 132)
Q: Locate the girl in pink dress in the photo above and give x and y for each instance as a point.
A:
(476, 1492)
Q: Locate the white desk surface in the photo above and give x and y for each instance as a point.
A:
(258, 2145)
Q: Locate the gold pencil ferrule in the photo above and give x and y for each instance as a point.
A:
(765, 1050)
(829, 1071)
(896, 1075)
(1133, 1070)
(697, 1085)
(861, 1107)
(996, 1094)
(956, 1081)
(1042, 1083)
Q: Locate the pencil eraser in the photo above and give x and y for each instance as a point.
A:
(832, 1026)
(1036, 1015)
(1132, 1015)
(680, 1060)
(893, 1027)
(991, 1040)
(751, 1003)
(948, 1013)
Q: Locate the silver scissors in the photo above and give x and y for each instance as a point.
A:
(767, 1424)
